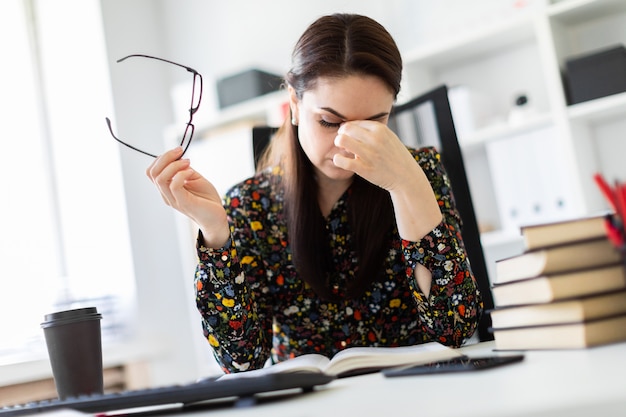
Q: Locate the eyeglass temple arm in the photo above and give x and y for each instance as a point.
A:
(124, 143)
(160, 59)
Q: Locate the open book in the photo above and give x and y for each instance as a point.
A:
(358, 360)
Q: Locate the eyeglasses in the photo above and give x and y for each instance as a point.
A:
(196, 97)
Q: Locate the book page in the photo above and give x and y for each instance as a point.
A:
(356, 358)
(306, 363)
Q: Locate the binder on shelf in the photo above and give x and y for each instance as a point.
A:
(529, 178)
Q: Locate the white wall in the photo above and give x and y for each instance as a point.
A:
(215, 37)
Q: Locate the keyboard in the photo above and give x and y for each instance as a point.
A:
(181, 395)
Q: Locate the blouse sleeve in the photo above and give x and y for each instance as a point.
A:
(451, 311)
(233, 317)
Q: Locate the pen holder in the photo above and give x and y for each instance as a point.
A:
(616, 234)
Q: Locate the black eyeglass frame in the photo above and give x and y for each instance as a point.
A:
(190, 128)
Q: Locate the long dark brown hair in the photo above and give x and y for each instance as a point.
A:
(335, 46)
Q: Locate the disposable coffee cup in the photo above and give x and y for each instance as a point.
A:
(74, 343)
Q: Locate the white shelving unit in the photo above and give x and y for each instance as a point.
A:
(526, 54)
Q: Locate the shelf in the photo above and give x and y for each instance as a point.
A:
(28, 367)
(580, 11)
(257, 108)
(598, 109)
(488, 39)
(502, 130)
(500, 238)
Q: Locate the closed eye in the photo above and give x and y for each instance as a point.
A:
(329, 125)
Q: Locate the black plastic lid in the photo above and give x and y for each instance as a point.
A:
(71, 316)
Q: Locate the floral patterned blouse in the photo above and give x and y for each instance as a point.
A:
(255, 307)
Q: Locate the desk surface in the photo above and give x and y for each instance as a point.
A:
(586, 382)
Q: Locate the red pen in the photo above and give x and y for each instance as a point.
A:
(608, 194)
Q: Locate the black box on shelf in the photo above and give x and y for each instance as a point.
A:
(245, 86)
(595, 75)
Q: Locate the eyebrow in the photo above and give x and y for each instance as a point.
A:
(341, 116)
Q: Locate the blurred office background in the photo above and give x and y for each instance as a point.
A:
(81, 223)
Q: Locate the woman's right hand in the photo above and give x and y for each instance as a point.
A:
(191, 194)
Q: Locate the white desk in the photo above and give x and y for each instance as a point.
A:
(587, 382)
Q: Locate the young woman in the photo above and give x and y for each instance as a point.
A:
(345, 237)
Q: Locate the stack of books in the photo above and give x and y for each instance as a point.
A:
(566, 290)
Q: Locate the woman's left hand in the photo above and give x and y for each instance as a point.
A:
(371, 150)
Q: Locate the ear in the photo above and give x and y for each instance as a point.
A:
(294, 106)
